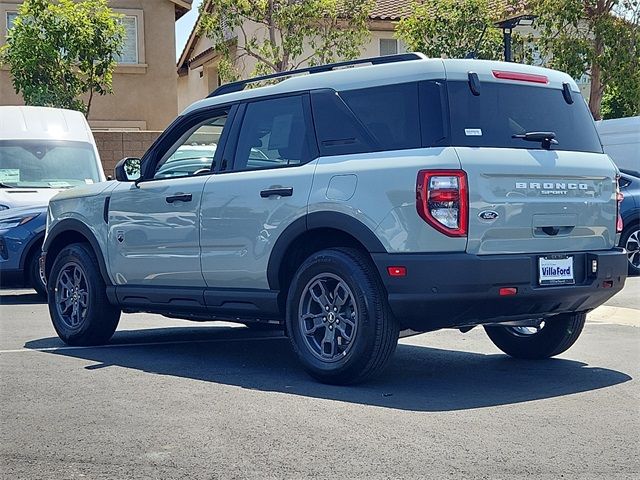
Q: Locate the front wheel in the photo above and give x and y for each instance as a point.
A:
(36, 277)
(78, 304)
(338, 319)
(554, 336)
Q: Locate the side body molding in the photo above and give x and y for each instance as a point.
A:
(313, 221)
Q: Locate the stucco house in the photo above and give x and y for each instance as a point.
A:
(144, 83)
(197, 65)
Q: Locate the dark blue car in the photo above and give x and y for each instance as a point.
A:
(630, 211)
(21, 233)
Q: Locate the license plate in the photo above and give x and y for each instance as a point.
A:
(555, 270)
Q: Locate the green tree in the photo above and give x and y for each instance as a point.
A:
(63, 53)
(598, 38)
(281, 35)
(453, 29)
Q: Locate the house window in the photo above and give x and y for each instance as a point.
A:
(130, 48)
(11, 17)
(391, 46)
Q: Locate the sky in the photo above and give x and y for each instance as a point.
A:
(184, 27)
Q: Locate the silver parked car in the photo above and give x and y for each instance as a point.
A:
(351, 203)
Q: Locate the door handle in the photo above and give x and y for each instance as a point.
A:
(179, 197)
(281, 192)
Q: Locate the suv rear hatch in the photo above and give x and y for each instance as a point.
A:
(523, 197)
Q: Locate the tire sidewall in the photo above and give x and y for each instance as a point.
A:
(34, 275)
(82, 257)
(338, 263)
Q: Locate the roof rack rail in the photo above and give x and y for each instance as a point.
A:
(239, 85)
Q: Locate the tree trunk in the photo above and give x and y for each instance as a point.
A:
(597, 88)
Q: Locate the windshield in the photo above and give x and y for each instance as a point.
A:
(502, 110)
(47, 164)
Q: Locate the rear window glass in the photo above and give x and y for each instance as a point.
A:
(389, 113)
(502, 110)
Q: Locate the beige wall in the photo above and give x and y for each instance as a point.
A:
(145, 95)
(113, 146)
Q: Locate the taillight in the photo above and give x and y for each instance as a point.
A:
(619, 198)
(442, 200)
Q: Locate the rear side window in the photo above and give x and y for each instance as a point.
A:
(389, 113)
(503, 110)
(274, 133)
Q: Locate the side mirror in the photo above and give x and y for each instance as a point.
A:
(127, 170)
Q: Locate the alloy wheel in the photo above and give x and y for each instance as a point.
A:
(72, 295)
(632, 246)
(328, 317)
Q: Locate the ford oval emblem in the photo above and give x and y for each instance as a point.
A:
(488, 215)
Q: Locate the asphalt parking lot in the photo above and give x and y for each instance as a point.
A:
(173, 399)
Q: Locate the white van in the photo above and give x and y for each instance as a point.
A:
(620, 138)
(43, 151)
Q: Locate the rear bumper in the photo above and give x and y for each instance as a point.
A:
(458, 289)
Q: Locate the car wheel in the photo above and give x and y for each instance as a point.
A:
(338, 319)
(78, 304)
(630, 240)
(553, 336)
(36, 279)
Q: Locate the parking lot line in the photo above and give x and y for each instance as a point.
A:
(140, 344)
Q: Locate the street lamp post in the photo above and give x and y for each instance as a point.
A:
(507, 26)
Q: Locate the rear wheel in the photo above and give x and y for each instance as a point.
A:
(78, 304)
(338, 319)
(554, 336)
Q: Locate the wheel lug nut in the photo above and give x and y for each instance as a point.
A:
(335, 309)
(326, 308)
(337, 320)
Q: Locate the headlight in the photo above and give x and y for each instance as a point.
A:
(15, 221)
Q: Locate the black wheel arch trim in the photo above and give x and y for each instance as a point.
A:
(317, 220)
(76, 226)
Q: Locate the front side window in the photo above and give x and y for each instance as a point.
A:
(193, 154)
(130, 49)
(274, 133)
(47, 164)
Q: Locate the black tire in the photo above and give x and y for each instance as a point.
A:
(374, 334)
(98, 320)
(556, 336)
(630, 240)
(34, 277)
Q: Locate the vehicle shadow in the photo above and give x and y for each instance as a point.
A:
(27, 298)
(418, 378)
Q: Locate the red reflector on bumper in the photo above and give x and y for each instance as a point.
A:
(397, 271)
(508, 291)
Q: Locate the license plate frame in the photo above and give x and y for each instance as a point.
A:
(552, 270)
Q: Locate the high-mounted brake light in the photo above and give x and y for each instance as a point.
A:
(442, 200)
(619, 198)
(520, 77)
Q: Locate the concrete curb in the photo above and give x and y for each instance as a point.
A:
(615, 316)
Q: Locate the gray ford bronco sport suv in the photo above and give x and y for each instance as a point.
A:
(349, 204)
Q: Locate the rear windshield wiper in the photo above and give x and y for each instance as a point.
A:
(6, 185)
(547, 138)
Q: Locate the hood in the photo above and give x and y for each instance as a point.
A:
(84, 191)
(26, 197)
